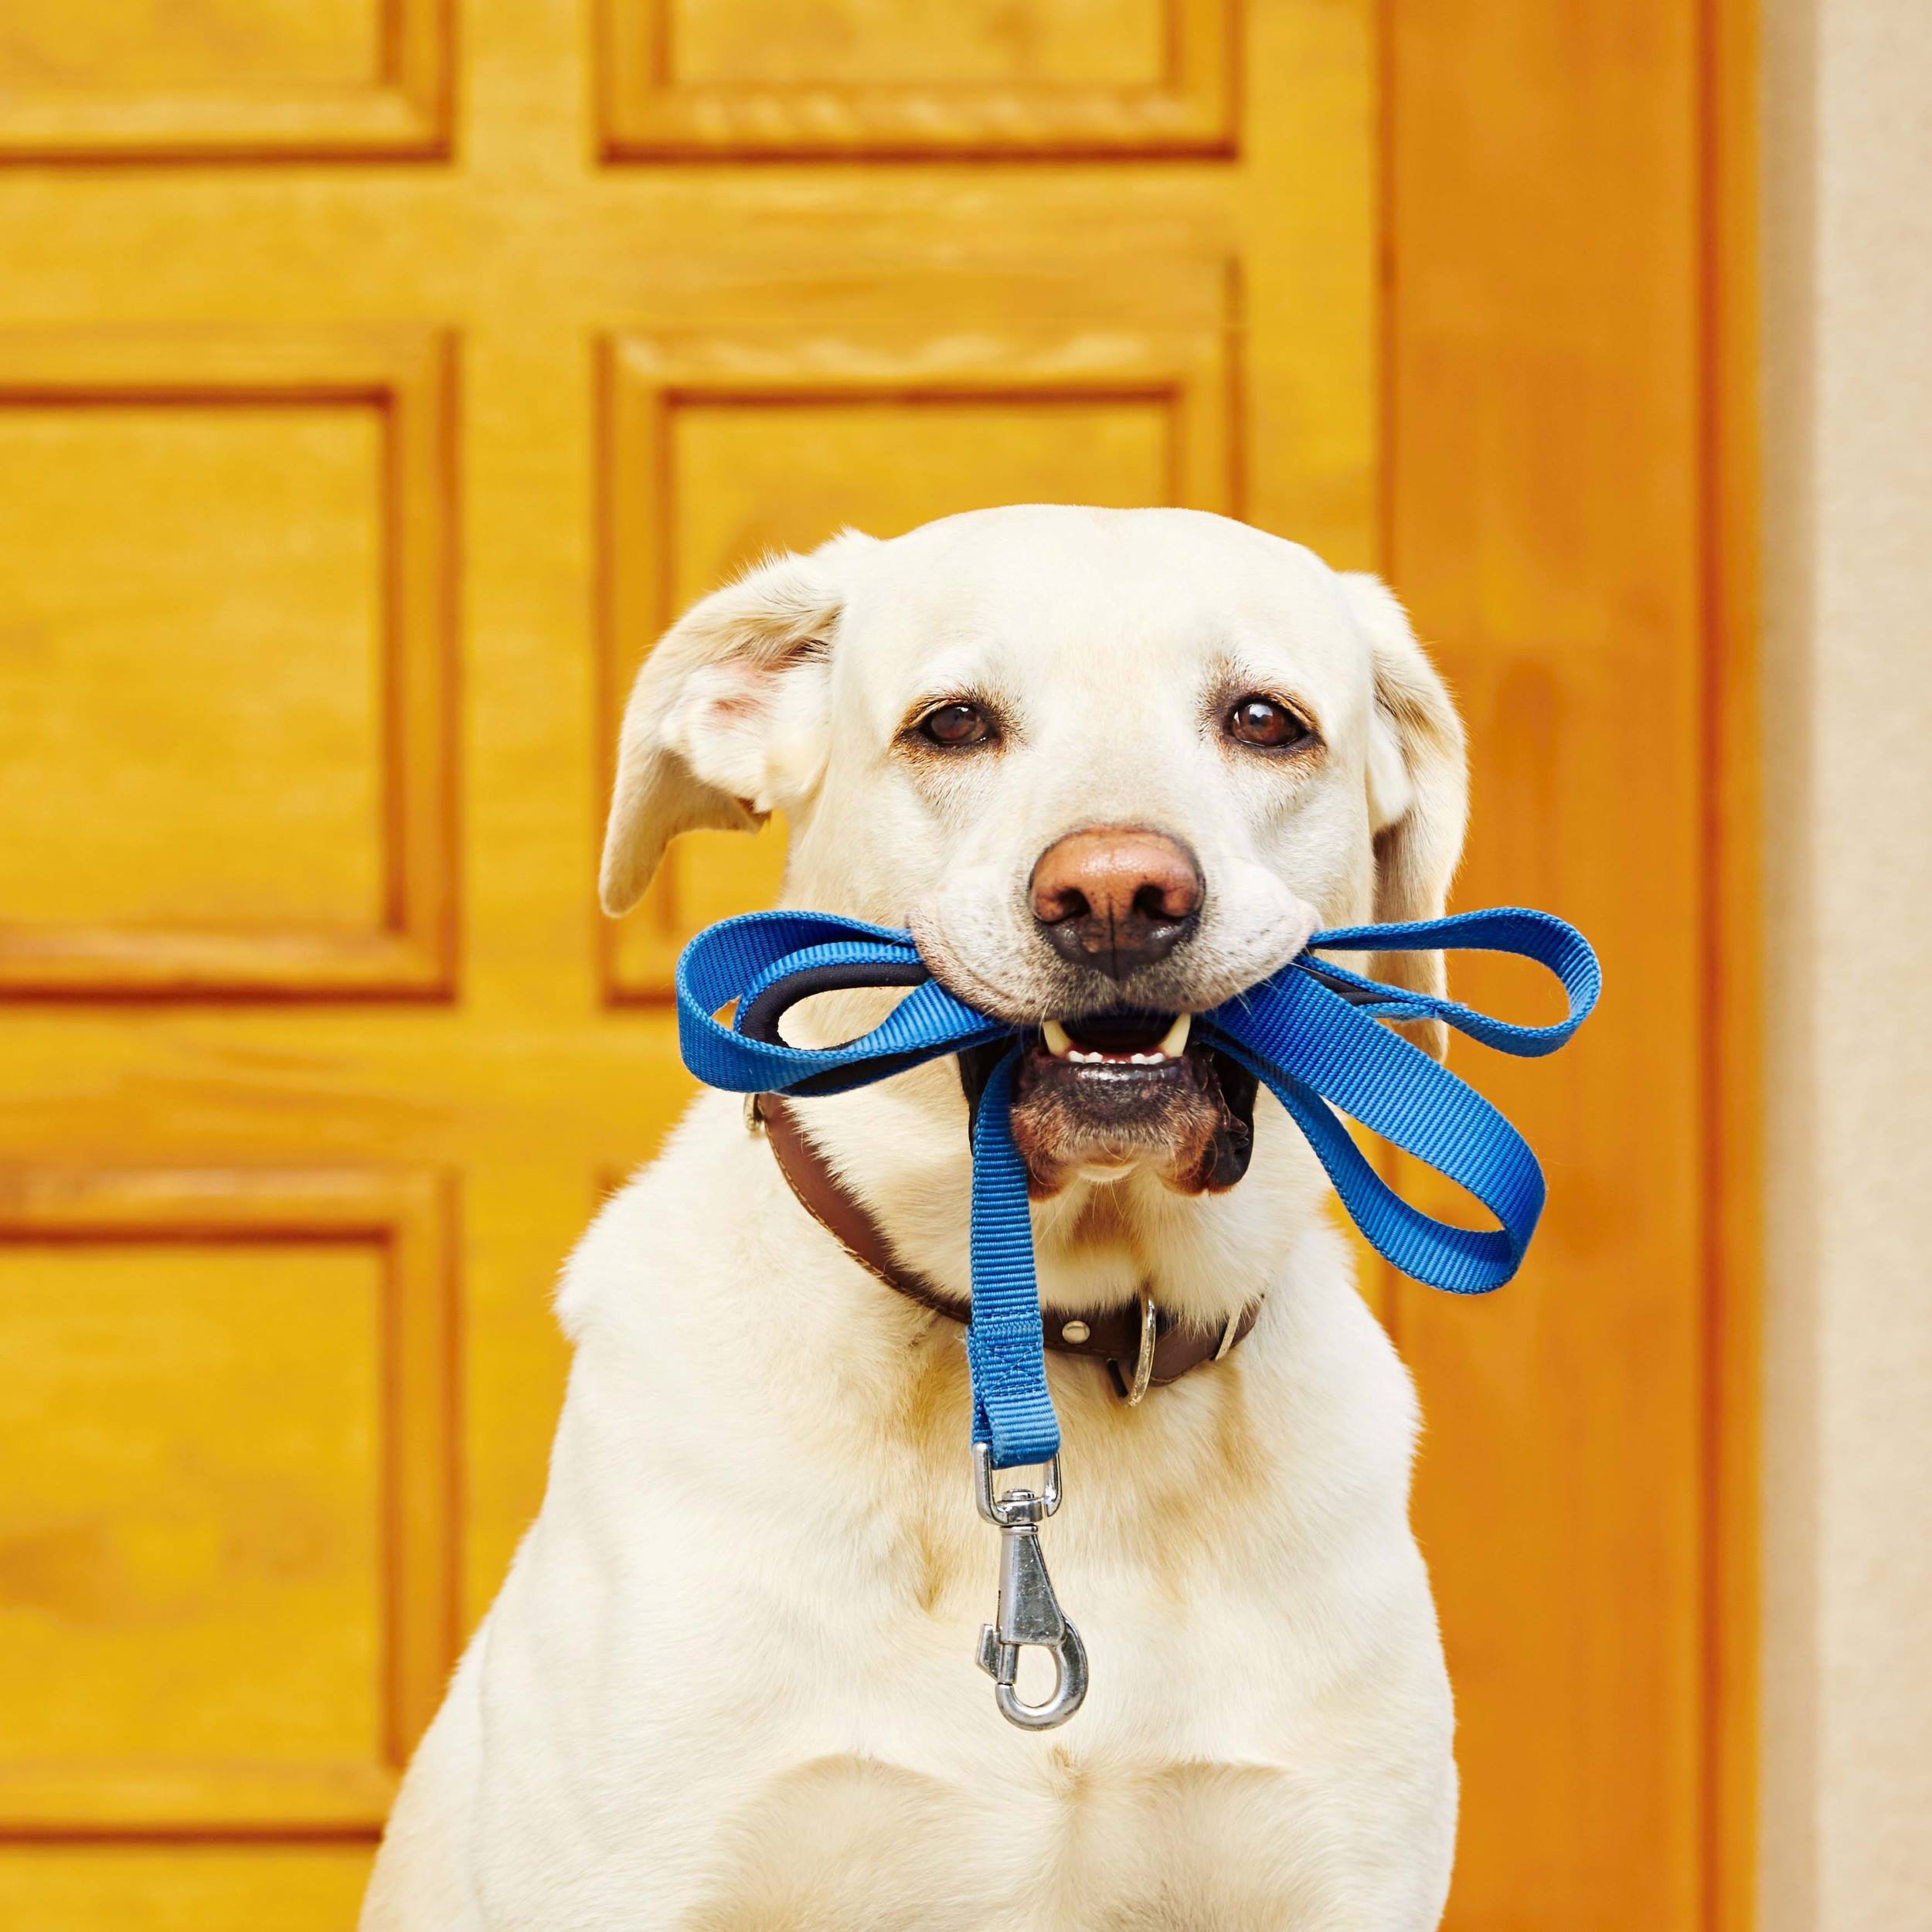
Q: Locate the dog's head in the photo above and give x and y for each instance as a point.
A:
(1112, 768)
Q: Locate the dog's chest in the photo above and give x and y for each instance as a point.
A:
(732, 1683)
(819, 1749)
(849, 1840)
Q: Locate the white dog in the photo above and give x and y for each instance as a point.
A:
(1106, 765)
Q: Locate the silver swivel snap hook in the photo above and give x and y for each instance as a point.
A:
(1028, 1611)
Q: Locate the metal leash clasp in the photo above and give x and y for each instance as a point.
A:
(1028, 1611)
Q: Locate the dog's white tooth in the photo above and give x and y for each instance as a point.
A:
(1054, 1034)
(1074, 1054)
(1174, 1041)
(1147, 1059)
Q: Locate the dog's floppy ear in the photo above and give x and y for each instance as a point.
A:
(1418, 788)
(728, 717)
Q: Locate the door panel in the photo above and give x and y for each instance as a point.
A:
(340, 503)
(917, 77)
(127, 80)
(226, 1589)
(160, 536)
(189, 1887)
(224, 737)
(719, 446)
(131, 48)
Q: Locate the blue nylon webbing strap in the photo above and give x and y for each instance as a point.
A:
(1311, 1032)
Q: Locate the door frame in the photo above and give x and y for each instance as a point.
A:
(1734, 992)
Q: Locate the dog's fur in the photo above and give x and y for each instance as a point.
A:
(729, 1683)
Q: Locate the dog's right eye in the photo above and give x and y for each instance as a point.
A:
(955, 727)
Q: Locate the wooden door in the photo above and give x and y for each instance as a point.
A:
(373, 384)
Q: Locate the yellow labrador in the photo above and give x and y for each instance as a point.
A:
(1111, 768)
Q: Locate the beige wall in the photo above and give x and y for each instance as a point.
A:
(1848, 1456)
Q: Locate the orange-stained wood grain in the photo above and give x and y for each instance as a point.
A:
(1734, 997)
(1545, 508)
(1055, 78)
(119, 80)
(190, 1888)
(321, 565)
(227, 1580)
(227, 723)
(340, 503)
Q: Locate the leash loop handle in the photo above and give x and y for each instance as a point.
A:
(1540, 937)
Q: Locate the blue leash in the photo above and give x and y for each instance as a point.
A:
(1311, 1032)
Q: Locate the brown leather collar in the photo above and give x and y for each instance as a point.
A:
(1143, 1346)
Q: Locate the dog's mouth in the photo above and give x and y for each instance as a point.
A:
(1119, 1039)
(1110, 1091)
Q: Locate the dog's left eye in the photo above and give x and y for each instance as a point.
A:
(1266, 723)
(955, 726)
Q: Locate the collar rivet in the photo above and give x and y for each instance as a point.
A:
(1075, 1332)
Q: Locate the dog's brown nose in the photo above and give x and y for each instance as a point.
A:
(1116, 898)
